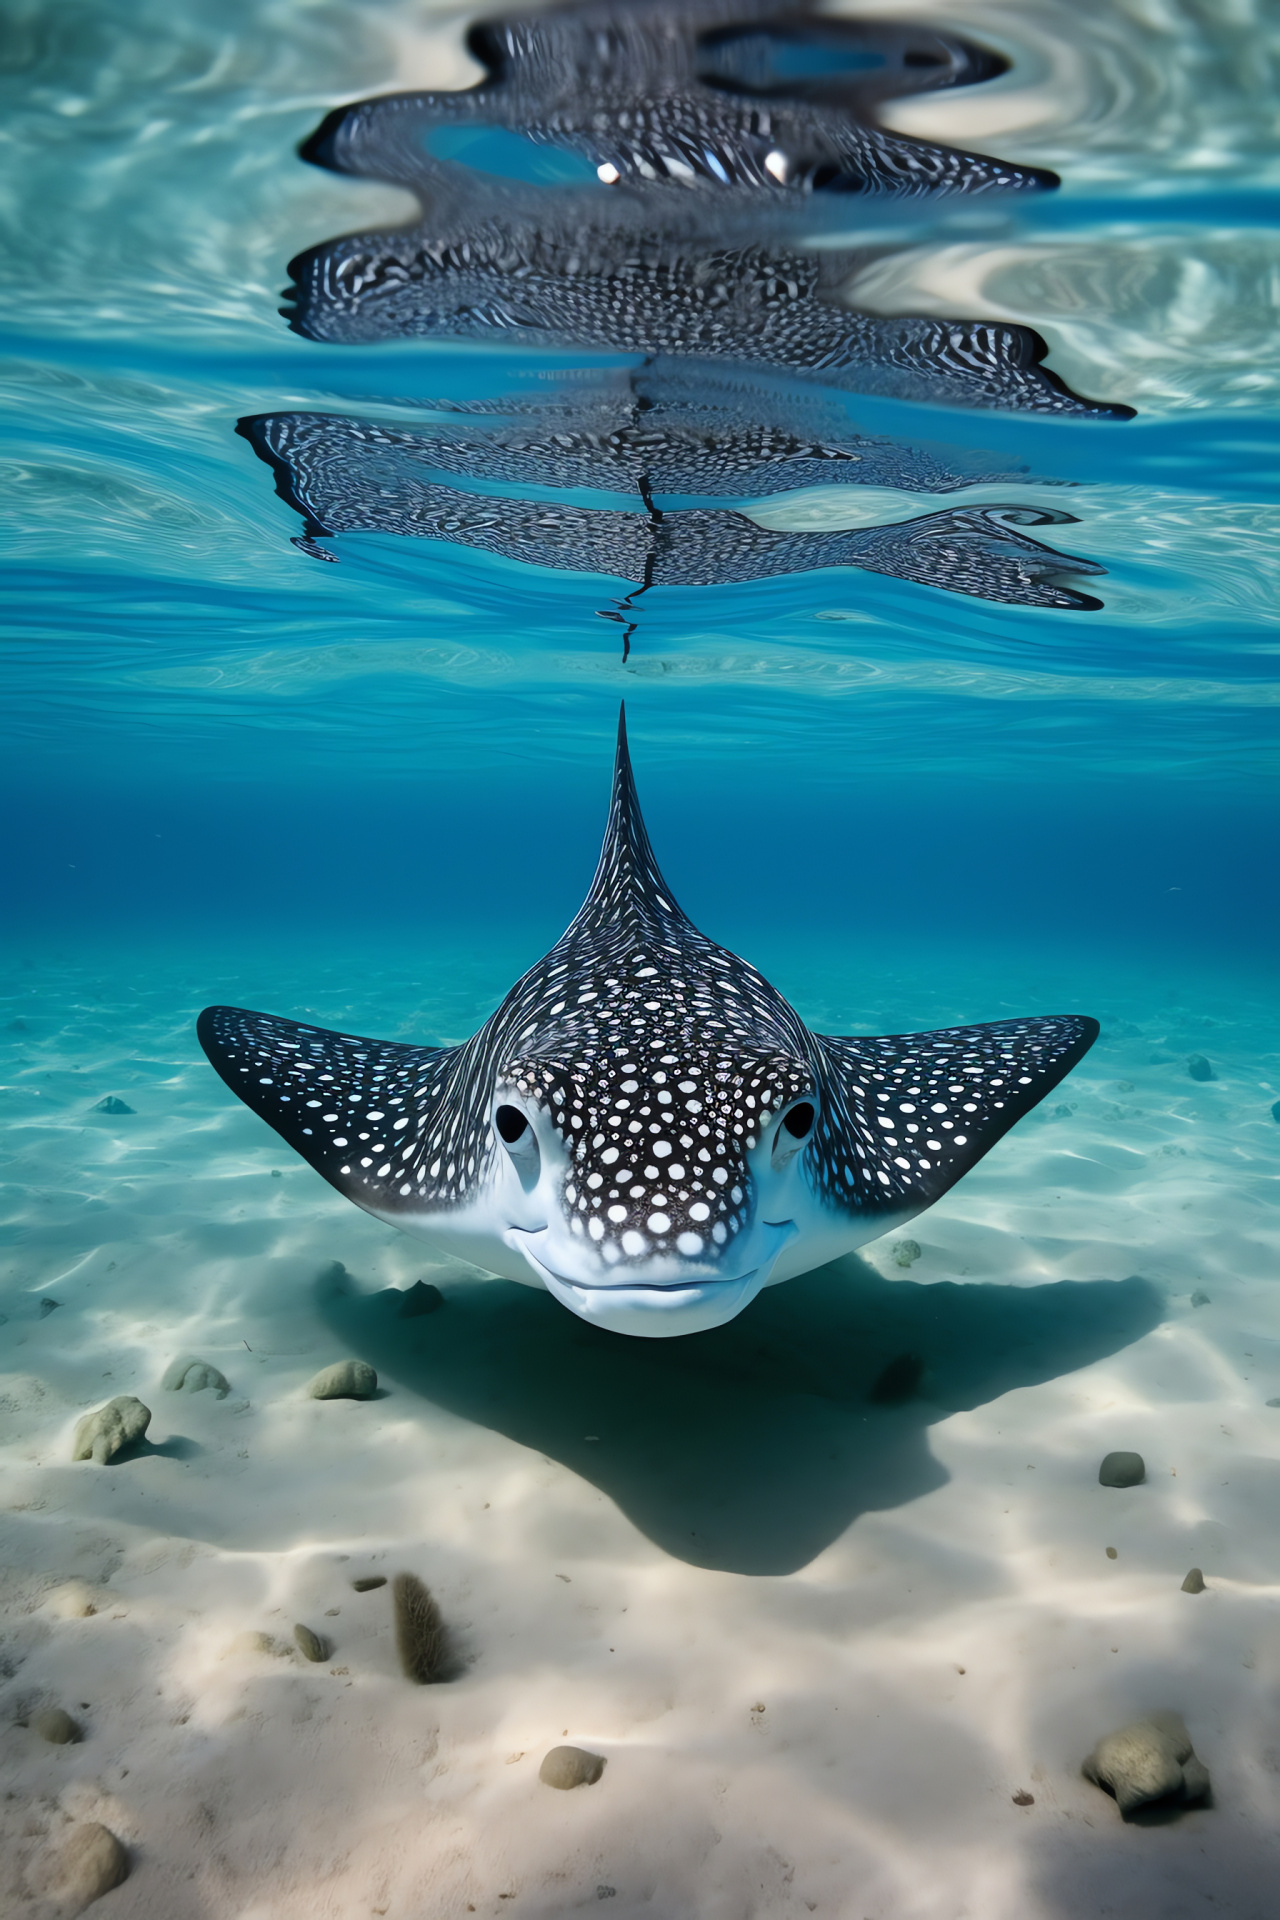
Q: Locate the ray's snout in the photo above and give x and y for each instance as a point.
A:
(652, 1199)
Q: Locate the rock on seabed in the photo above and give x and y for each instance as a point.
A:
(1151, 1760)
(344, 1380)
(312, 1646)
(88, 1864)
(101, 1435)
(421, 1637)
(189, 1375)
(1122, 1470)
(56, 1726)
(567, 1767)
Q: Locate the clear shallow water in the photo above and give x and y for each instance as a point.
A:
(371, 793)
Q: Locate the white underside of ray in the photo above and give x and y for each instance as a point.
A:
(670, 1297)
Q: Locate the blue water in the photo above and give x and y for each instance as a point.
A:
(427, 727)
(372, 793)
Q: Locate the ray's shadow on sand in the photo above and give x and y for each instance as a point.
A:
(750, 1448)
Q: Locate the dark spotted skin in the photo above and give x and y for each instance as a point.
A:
(689, 97)
(695, 247)
(654, 1054)
(561, 278)
(346, 476)
(663, 427)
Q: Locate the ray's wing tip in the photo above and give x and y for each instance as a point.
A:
(207, 1025)
(212, 1025)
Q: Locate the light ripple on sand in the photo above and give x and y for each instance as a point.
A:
(875, 1765)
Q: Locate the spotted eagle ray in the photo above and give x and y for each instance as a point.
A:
(644, 1127)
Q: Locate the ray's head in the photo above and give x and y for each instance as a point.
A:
(655, 1107)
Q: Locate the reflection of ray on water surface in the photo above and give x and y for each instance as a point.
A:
(682, 112)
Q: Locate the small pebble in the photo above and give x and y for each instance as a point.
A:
(90, 1862)
(368, 1581)
(418, 1299)
(1199, 1069)
(189, 1375)
(101, 1435)
(1194, 1582)
(56, 1726)
(905, 1252)
(421, 1639)
(566, 1767)
(1112, 1554)
(1151, 1760)
(112, 1105)
(1122, 1470)
(344, 1380)
(312, 1646)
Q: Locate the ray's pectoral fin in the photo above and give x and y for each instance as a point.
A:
(363, 1113)
(913, 1112)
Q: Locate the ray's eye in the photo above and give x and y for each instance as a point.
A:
(511, 1124)
(799, 1122)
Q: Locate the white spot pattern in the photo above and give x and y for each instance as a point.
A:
(630, 1004)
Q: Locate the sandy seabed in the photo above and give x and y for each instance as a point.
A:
(822, 1642)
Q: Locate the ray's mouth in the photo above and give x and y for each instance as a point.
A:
(694, 1283)
(662, 1300)
(654, 1307)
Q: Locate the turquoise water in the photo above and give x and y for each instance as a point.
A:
(371, 794)
(168, 652)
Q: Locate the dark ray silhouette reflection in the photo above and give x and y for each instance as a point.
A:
(646, 179)
(694, 182)
(753, 1447)
(489, 270)
(719, 99)
(665, 426)
(353, 476)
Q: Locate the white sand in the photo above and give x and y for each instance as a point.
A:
(821, 1642)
